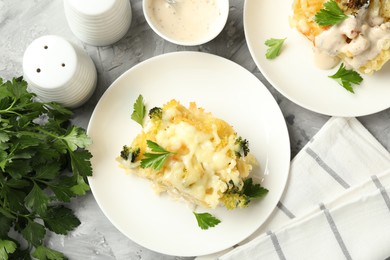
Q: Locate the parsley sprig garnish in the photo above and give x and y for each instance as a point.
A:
(330, 14)
(157, 159)
(139, 111)
(346, 78)
(253, 191)
(206, 220)
(275, 47)
(43, 164)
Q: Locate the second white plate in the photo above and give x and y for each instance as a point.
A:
(294, 74)
(219, 86)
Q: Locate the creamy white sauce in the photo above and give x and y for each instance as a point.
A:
(323, 60)
(358, 39)
(185, 20)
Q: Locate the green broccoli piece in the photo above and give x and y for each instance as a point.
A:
(242, 147)
(233, 200)
(235, 197)
(130, 153)
(155, 113)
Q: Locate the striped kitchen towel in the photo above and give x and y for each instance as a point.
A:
(336, 203)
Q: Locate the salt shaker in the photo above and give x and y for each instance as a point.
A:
(57, 70)
(98, 22)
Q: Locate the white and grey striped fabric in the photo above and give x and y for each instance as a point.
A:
(336, 204)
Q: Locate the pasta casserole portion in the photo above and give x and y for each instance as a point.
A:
(191, 154)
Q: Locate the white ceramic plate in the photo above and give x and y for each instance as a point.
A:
(294, 74)
(219, 86)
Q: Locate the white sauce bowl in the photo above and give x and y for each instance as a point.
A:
(187, 22)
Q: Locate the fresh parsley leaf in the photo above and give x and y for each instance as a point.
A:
(275, 47)
(155, 147)
(80, 162)
(4, 137)
(18, 89)
(5, 225)
(60, 220)
(21, 253)
(76, 138)
(6, 247)
(44, 253)
(330, 14)
(155, 160)
(6, 214)
(80, 188)
(346, 78)
(37, 200)
(18, 184)
(57, 109)
(16, 199)
(206, 220)
(48, 172)
(63, 188)
(253, 190)
(34, 233)
(139, 111)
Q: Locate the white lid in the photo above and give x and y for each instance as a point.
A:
(49, 62)
(92, 7)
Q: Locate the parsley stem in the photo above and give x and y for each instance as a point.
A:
(8, 109)
(7, 212)
(55, 137)
(48, 133)
(35, 180)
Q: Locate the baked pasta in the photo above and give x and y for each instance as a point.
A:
(202, 159)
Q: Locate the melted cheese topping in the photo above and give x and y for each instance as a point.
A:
(204, 162)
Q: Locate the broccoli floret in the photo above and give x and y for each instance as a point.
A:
(242, 147)
(234, 197)
(155, 113)
(130, 153)
(233, 200)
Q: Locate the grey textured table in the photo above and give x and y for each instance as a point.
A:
(23, 21)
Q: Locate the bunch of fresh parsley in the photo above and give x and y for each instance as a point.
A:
(43, 164)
